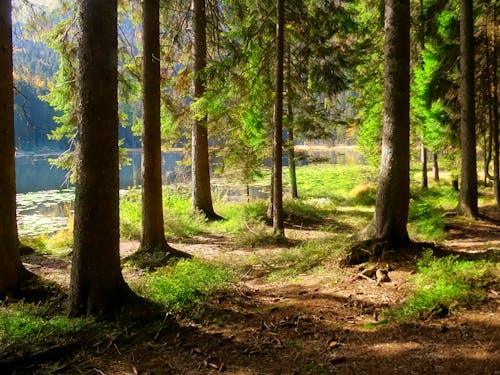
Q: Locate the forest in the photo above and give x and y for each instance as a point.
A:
(336, 209)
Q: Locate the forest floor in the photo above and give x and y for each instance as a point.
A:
(319, 323)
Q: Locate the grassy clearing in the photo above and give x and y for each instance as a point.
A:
(335, 199)
(443, 284)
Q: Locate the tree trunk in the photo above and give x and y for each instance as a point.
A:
(468, 184)
(10, 260)
(202, 196)
(425, 181)
(291, 143)
(278, 221)
(435, 167)
(97, 285)
(153, 232)
(391, 211)
(494, 119)
(291, 161)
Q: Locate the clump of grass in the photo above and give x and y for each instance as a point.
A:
(298, 211)
(38, 243)
(60, 244)
(442, 284)
(364, 194)
(306, 257)
(426, 220)
(184, 285)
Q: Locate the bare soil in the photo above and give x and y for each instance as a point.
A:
(321, 323)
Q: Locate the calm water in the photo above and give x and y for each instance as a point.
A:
(34, 172)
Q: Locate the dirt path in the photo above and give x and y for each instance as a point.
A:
(315, 324)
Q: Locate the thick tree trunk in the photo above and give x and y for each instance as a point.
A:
(391, 211)
(468, 184)
(202, 196)
(278, 220)
(11, 269)
(153, 232)
(97, 285)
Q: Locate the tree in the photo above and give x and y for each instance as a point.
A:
(391, 211)
(202, 196)
(153, 231)
(277, 184)
(468, 181)
(97, 285)
(12, 271)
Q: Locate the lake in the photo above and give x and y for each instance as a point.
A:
(35, 173)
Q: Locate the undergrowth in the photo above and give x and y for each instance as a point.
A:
(25, 322)
(427, 207)
(306, 257)
(183, 285)
(443, 284)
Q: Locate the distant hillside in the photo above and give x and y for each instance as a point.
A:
(35, 65)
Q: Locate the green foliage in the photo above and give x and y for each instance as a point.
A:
(184, 285)
(333, 181)
(306, 257)
(130, 215)
(426, 220)
(180, 220)
(368, 79)
(442, 284)
(364, 195)
(26, 322)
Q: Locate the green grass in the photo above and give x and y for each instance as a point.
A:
(184, 285)
(442, 284)
(305, 258)
(427, 208)
(333, 181)
(24, 322)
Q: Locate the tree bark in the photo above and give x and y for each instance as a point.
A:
(435, 167)
(494, 117)
(97, 285)
(11, 269)
(468, 184)
(291, 142)
(278, 220)
(391, 211)
(153, 232)
(291, 161)
(202, 196)
(425, 181)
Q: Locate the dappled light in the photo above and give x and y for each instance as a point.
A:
(249, 187)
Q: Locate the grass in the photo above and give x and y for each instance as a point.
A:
(184, 285)
(427, 208)
(25, 322)
(305, 258)
(443, 284)
(333, 181)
